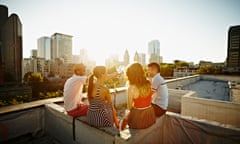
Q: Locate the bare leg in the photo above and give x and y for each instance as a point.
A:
(116, 120)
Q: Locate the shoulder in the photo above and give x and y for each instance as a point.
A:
(133, 90)
(80, 78)
(158, 77)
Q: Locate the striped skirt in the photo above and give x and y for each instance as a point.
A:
(100, 113)
(141, 118)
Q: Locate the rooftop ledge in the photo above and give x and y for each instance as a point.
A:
(180, 125)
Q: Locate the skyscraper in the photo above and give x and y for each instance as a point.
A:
(154, 51)
(61, 47)
(3, 19)
(154, 47)
(233, 52)
(12, 49)
(126, 58)
(142, 59)
(136, 57)
(44, 47)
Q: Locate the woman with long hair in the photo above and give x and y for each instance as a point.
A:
(141, 113)
(101, 112)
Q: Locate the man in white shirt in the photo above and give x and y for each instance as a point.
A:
(160, 89)
(72, 92)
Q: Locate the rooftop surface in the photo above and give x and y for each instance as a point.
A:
(210, 89)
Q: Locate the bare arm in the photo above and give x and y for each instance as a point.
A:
(132, 93)
(108, 96)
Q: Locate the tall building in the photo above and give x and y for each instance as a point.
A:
(44, 47)
(136, 57)
(154, 51)
(34, 53)
(154, 47)
(3, 19)
(61, 47)
(12, 49)
(233, 51)
(84, 56)
(142, 59)
(126, 58)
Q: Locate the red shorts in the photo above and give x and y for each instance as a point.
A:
(81, 110)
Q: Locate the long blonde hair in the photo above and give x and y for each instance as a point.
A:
(136, 76)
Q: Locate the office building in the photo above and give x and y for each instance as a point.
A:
(34, 53)
(154, 51)
(142, 59)
(61, 47)
(12, 49)
(154, 47)
(233, 51)
(44, 47)
(3, 19)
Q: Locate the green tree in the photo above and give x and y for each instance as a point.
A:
(209, 69)
(166, 70)
(179, 63)
(35, 80)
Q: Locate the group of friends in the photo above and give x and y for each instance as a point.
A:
(146, 100)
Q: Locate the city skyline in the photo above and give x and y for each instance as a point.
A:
(187, 30)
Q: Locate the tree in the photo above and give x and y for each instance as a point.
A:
(179, 63)
(35, 80)
(166, 70)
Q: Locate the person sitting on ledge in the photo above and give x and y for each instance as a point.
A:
(141, 113)
(101, 112)
(72, 93)
(160, 89)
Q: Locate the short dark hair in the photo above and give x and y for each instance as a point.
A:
(154, 65)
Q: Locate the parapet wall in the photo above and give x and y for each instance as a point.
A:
(214, 110)
(51, 119)
(170, 128)
(179, 82)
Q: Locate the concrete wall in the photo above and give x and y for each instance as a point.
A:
(214, 110)
(59, 126)
(175, 99)
(21, 122)
(170, 128)
(179, 82)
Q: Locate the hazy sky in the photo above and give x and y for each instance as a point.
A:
(190, 30)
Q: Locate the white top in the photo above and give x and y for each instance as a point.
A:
(160, 96)
(72, 92)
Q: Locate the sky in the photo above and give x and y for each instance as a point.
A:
(188, 30)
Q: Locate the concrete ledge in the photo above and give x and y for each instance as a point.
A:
(59, 125)
(20, 123)
(214, 110)
(24, 106)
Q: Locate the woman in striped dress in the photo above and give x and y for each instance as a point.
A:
(101, 112)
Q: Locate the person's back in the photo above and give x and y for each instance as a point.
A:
(101, 112)
(72, 92)
(141, 113)
(160, 89)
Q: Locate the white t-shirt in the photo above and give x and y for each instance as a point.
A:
(72, 93)
(160, 96)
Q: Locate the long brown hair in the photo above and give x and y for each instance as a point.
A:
(98, 71)
(136, 76)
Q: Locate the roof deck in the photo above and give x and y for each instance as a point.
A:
(189, 119)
